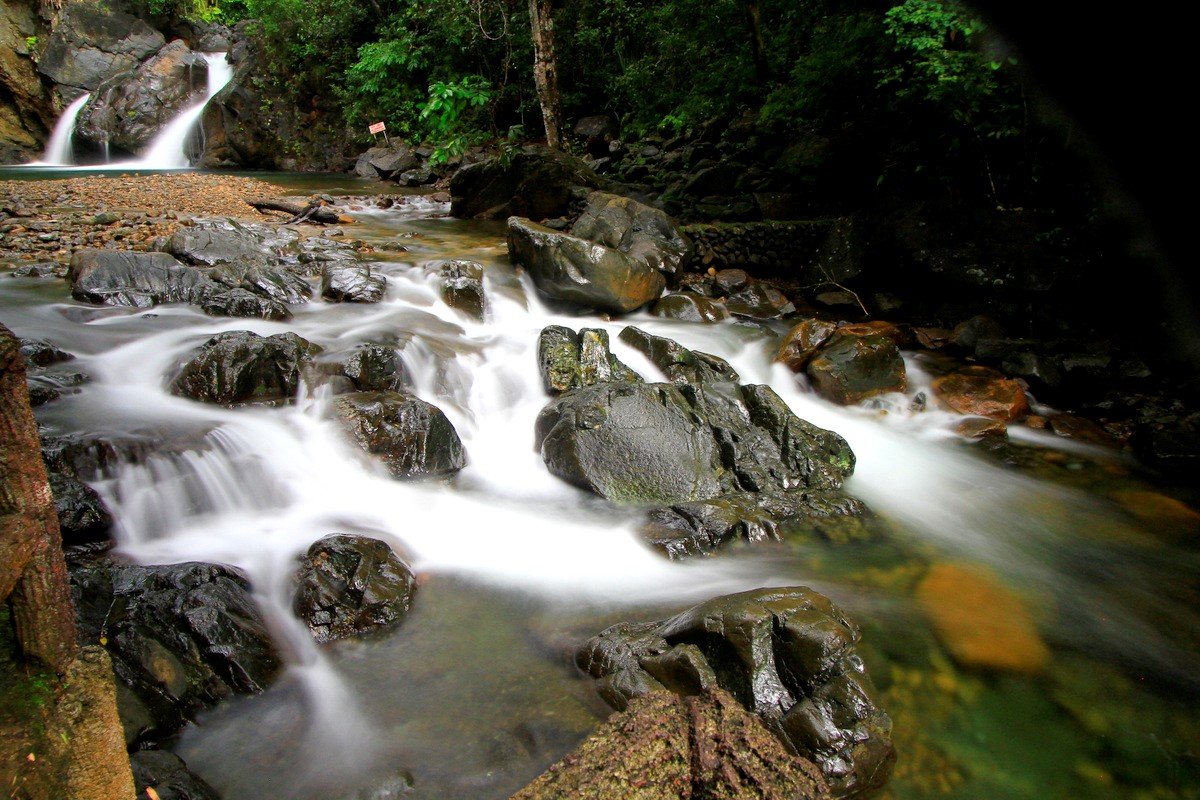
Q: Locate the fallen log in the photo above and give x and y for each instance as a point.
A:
(313, 212)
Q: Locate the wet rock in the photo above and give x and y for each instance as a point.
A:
(413, 438)
(210, 244)
(759, 301)
(140, 280)
(82, 515)
(182, 637)
(643, 233)
(848, 369)
(41, 353)
(535, 182)
(699, 528)
(690, 307)
(679, 364)
(352, 586)
(1070, 426)
(243, 367)
(659, 444)
(416, 177)
(666, 747)
(569, 360)
(462, 286)
(786, 654)
(373, 367)
(243, 303)
(168, 776)
(574, 270)
(351, 283)
(91, 456)
(980, 621)
(385, 162)
(976, 427)
(982, 392)
(92, 42)
(128, 110)
(728, 282)
(901, 335)
(801, 343)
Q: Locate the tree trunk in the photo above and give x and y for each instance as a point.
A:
(545, 69)
(758, 47)
(32, 569)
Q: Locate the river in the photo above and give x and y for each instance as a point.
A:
(474, 695)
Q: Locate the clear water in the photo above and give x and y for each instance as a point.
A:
(474, 694)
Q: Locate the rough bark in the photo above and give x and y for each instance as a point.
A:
(545, 69)
(758, 47)
(313, 212)
(33, 575)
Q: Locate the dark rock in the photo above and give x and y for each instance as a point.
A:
(416, 177)
(373, 367)
(982, 392)
(182, 637)
(699, 528)
(243, 303)
(92, 42)
(597, 133)
(849, 369)
(352, 586)
(643, 233)
(1172, 446)
(168, 776)
(213, 243)
(569, 360)
(413, 438)
(536, 182)
(128, 110)
(279, 285)
(659, 444)
(93, 456)
(386, 162)
(665, 747)
(677, 363)
(140, 280)
(82, 515)
(243, 367)
(462, 286)
(759, 301)
(351, 283)
(690, 307)
(565, 267)
(803, 341)
(716, 180)
(786, 654)
(729, 282)
(968, 334)
(41, 353)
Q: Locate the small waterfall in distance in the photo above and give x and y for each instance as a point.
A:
(58, 149)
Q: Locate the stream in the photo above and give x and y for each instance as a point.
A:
(474, 694)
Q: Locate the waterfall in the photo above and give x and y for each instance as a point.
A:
(58, 149)
(169, 148)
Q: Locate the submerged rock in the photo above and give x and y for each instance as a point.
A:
(848, 369)
(352, 586)
(82, 515)
(351, 283)
(413, 438)
(786, 654)
(666, 747)
(182, 637)
(574, 270)
(140, 280)
(569, 360)
(243, 367)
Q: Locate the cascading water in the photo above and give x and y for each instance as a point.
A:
(169, 148)
(511, 557)
(58, 149)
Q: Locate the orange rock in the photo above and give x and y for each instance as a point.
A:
(1035, 421)
(800, 344)
(1157, 508)
(901, 336)
(974, 427)
(980, 621)
(982, 392)
(1084, 430)
(933, 338)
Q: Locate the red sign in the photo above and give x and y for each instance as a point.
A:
(378, 127)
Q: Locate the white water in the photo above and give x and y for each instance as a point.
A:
(58, 149)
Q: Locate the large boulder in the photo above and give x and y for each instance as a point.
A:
(92, 42)
(639, 231)
(848, 368)
(413, 438)
(569, 360)
(128, 110)
(461, 286)
(210, 243)
(140, 280)
(386, 162)
(576, 271)
(27, 107)
(786, 654)
(666, 747)
(243, 367)
(374, 367)
(662, 444)
(534, 182)
(679, 364)
(182, 637)
(352, 586)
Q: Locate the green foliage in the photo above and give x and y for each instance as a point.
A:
(31, 44)
(446, 115)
